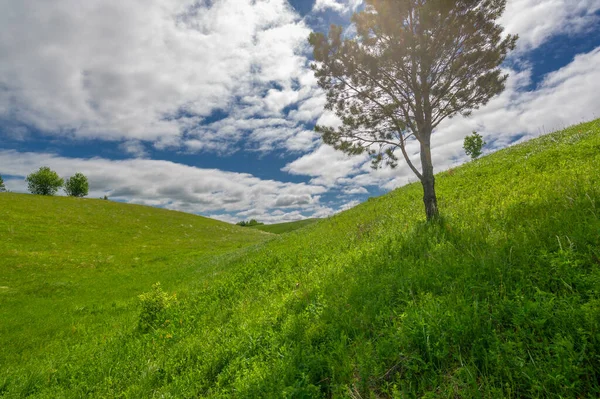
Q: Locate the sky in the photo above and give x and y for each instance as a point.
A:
(208, 106)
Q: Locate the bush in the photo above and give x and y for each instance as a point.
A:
(473, 145)
(77, 185)
(44, 182)
(155, 305)
(251, 222)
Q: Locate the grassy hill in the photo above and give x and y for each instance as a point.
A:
(280, 228)
(71, 268)
(501, 298)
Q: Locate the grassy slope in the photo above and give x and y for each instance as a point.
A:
(501, 299)
(281, 228)
(70, 268)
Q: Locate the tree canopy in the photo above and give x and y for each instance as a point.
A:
(44, 182)
(77, 185)
(2, 186)
(473, 145)
(410, 65)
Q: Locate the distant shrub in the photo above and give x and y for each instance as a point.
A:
(251, 222)
(473, 145)
(77, 185)
(2, 186)
(154, 307)
(44, 182)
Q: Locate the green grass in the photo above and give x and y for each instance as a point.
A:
(281, 228)
(501, 298)
(71, 268)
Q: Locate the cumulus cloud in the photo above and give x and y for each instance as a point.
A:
(175, 186)
(355, 190)
(325, 165)
(153, 71)
(341, 6)
(538, 20)
(349, 205)
(147, 70)
(135, 148)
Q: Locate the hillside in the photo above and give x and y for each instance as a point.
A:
(281, 228)
(500, 298)
(71, 267)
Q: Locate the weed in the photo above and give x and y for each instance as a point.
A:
(155, 306)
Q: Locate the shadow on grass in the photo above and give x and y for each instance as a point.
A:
(443, 312)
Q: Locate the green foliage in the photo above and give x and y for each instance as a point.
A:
(410, 65)
(250, 223)
(2, 186)
(77, 185)
(498, 299)
(44, 182)
(154, 308)
(473, 145)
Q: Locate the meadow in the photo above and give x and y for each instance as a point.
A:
(499, 298)
(72, 268)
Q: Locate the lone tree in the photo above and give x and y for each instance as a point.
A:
(411, 64)
(44, 182)
(473, 145)
(2, 186)
(77, 185)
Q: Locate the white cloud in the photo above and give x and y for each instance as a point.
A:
(151, 70)
(348, 205)
(310, 109)
(321, 5)
(145, 70)
(534, 20)
(325, 165)
(341, 6)
(174, 186)
(537, 20)
(135, 148)
(270, 217)
(355, 190)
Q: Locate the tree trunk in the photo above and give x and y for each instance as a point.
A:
(428, 182)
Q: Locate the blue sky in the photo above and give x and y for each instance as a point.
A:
(209, 106)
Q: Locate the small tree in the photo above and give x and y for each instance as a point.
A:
(473, 145)
(411, 65)
(77, 185)
(44, 182)
(2, 186)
